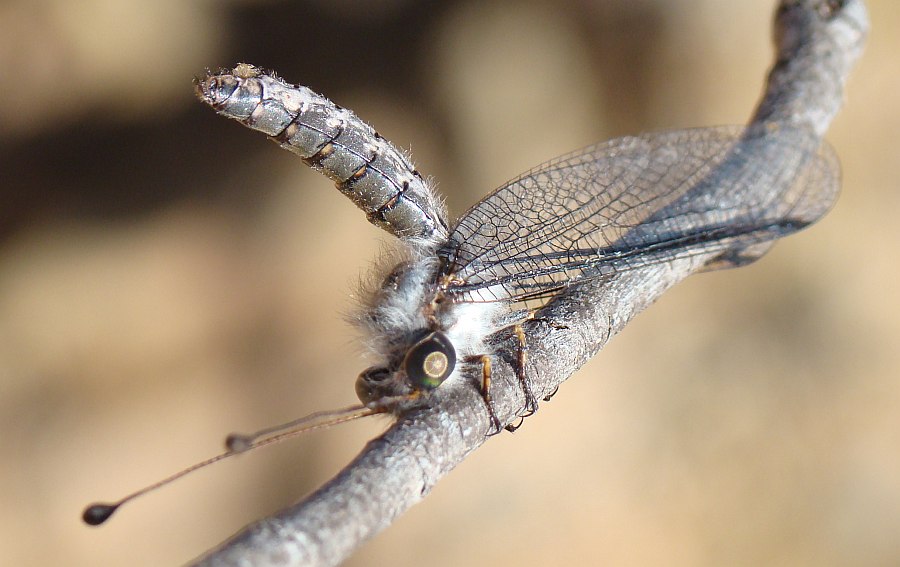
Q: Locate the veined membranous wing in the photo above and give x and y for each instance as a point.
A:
(637, 201)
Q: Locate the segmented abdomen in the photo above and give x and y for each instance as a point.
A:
(368, 169)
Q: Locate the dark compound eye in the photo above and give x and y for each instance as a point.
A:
(430, 361)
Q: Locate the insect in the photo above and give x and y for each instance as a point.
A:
(594, 213)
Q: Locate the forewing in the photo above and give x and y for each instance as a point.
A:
(636, 201)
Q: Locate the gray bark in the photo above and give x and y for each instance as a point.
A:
(817, 44)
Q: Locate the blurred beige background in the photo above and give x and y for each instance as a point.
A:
(167, 277)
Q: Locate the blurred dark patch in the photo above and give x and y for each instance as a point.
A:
(100, 171)
(330, 51)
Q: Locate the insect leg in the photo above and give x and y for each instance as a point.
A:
(551, 394)
(553, 324)
(486, 393)
(531, 404)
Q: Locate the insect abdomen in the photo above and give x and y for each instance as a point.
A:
(365, 167)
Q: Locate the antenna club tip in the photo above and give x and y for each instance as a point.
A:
(96, 514)
(237, 443)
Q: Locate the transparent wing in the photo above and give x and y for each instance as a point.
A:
(636, 201)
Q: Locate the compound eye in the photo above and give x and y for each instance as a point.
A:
(371, 384)
(430, 361)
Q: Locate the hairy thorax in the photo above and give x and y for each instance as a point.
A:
(410, 321)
